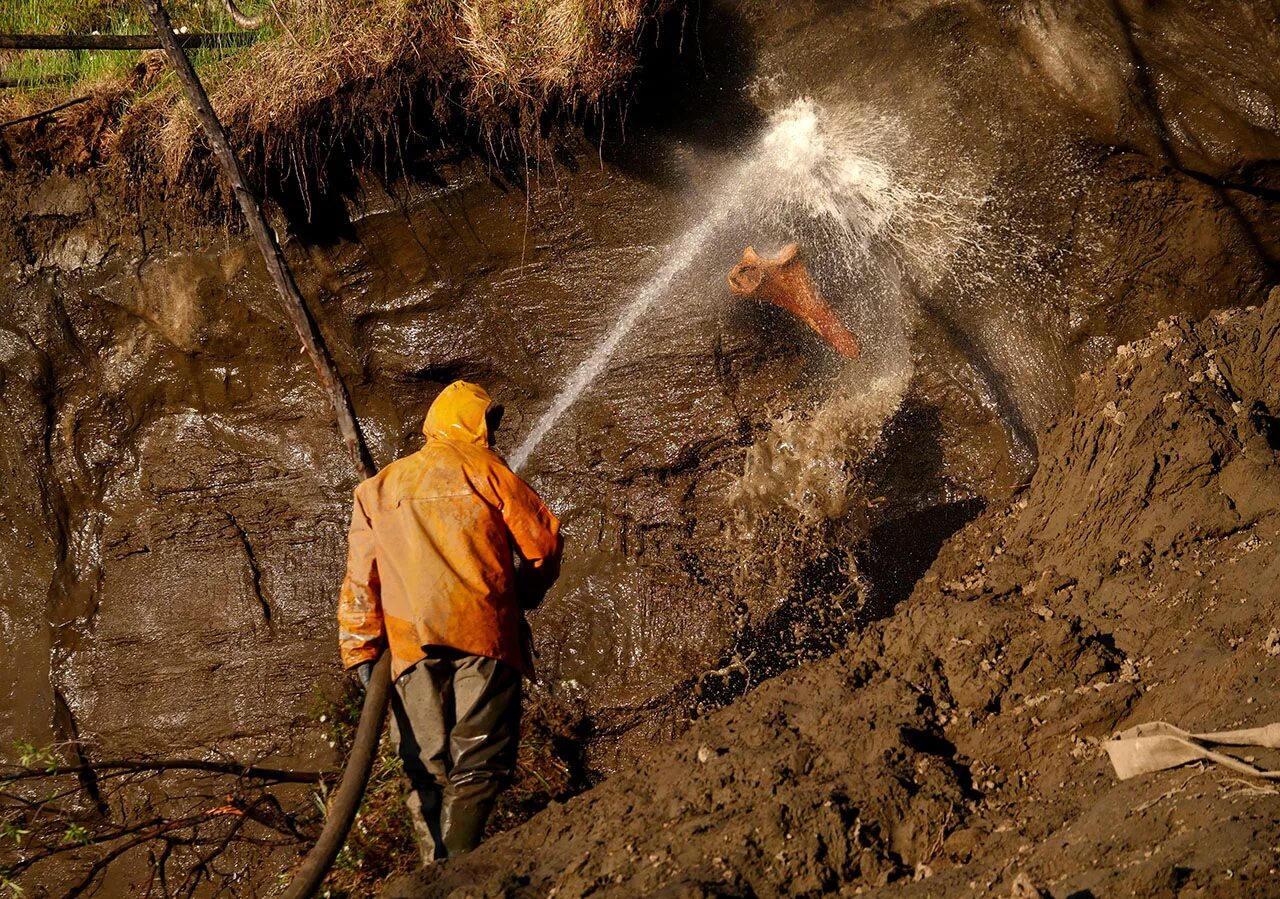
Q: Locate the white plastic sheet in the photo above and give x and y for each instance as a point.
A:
(1159, 745)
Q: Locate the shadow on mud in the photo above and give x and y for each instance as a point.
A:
(689, 93)
(910, 530)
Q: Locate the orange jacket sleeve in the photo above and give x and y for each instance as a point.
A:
(360, 628)
(535, 531)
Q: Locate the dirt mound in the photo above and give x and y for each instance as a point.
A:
(954, 747)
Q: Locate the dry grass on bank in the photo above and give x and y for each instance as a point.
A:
(323, 77)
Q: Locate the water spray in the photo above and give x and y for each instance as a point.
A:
(828, 179)
(684, 252)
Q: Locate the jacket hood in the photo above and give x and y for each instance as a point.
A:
(458, 414)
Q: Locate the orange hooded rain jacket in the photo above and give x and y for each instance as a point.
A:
(430, 548)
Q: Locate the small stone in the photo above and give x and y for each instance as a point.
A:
(1025, 888)
(1271, 645)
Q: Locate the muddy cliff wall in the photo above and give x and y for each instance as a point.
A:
(176, 505)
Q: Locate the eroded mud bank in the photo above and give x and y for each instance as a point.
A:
(953, 748)
(176, 505)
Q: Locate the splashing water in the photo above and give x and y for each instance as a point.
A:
(807, 464)
(824, 180)
(845, 178)
(803, 475)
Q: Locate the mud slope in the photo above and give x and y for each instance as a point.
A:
(175, 510)
(953, 747)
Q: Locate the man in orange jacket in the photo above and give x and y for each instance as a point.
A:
(447, 549)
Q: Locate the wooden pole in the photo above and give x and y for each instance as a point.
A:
(120, 41)
(355, 776)
(277, 267)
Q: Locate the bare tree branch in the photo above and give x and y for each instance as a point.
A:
(277, 267)
(281, 775)
(44, 112)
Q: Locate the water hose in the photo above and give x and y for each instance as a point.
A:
(346, 798)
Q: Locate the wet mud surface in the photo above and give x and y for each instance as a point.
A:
(953, 748)
(736, 498)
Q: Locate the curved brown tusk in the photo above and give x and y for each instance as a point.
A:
(784, 281)
(244, 21)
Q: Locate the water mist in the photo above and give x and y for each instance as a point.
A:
(826, 180)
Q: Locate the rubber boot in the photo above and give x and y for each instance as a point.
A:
(425, 813)
(462, 823)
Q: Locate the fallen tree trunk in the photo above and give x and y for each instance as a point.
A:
(350, 791)
(121, 41)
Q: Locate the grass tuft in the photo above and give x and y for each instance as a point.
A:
(324, 80)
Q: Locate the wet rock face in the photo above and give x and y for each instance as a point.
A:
(176, 486)
(176, 503)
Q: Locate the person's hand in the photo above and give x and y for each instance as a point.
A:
(364, 672)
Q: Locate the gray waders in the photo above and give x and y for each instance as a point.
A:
(456, 724)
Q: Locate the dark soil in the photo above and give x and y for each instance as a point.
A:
(953, 748)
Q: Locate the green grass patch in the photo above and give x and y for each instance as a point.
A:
(77, 71)
(108, 16)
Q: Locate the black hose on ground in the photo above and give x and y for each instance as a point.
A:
(346, 798)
